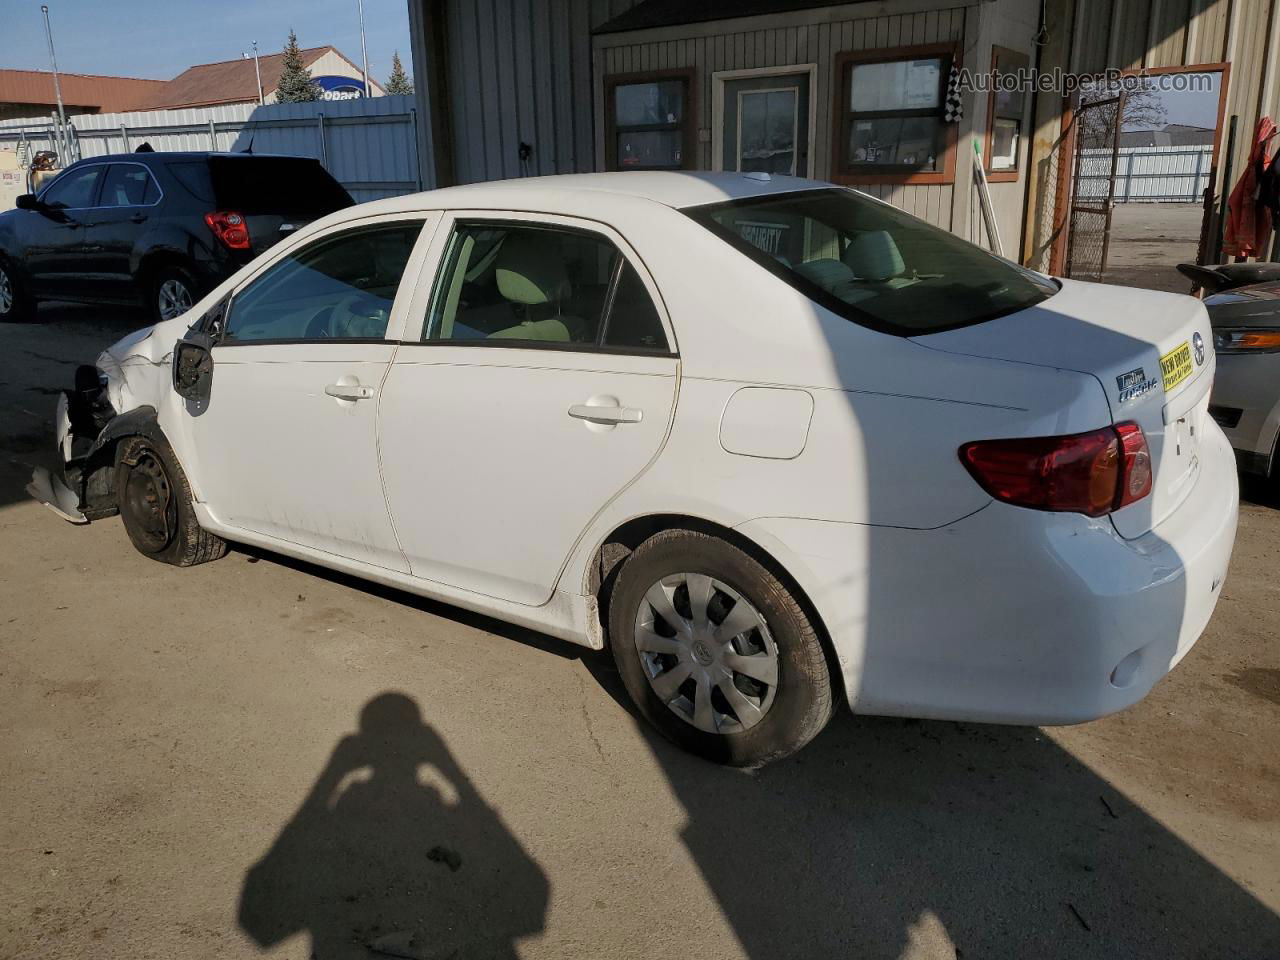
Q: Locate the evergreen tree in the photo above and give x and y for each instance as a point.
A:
(296, 85)
(398, 82)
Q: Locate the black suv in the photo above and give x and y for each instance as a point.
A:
(160, 228)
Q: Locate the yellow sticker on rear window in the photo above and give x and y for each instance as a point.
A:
(1176, 366)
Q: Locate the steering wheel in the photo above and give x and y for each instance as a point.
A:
(336, 320)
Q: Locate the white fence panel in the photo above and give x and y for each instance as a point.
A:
(370, 146)
(1151, 174)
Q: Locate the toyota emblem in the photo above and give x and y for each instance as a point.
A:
(1197, 344)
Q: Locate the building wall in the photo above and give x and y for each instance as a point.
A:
(13, 111)
(813, 36)
(519, 71)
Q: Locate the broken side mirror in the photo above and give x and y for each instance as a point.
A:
(193, 370)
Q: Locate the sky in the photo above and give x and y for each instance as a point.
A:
(161, 38)
(1194, 108)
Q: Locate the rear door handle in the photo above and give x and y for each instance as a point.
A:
(586, 411)
(138, 218)
(349, 391)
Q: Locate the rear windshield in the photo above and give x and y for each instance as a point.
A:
(291, 186)
(872, 263)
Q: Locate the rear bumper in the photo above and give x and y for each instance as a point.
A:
(1014, 615)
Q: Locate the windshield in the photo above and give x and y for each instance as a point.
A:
(872, 263)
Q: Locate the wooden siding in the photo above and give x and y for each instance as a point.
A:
(709, 51)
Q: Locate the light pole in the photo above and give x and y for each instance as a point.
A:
(256, 69)
(364, 54)
(63, 135)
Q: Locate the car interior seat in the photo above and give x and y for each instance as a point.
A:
(530, 274)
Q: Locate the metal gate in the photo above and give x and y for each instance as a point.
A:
(1093, 187)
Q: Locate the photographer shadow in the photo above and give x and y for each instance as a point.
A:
(394, 853)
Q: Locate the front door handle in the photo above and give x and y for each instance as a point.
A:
(603, 414)
(349, 391)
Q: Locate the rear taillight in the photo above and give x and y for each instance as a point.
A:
(1091, 473)
(230, 228)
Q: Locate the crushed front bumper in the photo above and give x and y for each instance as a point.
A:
(55, 495)
(79, 419)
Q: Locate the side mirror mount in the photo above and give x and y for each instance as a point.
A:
(27, 201)
(193, 371)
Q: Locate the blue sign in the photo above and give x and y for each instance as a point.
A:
(340, 88)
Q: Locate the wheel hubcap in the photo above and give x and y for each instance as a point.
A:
(174, 299)
(6, 292)
(707, 653)
(149, 500)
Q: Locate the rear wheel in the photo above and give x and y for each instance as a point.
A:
(172, 292)
(716, 652)
(16, 305)
(155, 505)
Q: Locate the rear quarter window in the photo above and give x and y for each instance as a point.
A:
(193, 175)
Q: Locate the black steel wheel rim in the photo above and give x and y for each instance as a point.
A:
(149, 502)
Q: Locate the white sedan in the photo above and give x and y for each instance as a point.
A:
(774, 443)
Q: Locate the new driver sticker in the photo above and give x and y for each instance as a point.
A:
(1176, 366)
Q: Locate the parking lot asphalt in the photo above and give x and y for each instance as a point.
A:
(258, 757)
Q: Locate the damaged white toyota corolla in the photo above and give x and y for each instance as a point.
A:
(773, 442)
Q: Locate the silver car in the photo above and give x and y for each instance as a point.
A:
(1246, 392)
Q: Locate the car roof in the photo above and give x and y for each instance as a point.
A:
(678, 190)
(145, 155)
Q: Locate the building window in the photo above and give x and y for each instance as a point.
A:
(1005, 111)
(892, 112)
(649, 126)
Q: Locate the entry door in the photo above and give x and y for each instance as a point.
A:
(542, 385)
(286, 445)
(765, 125)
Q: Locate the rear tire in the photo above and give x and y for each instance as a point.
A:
(746, 699)
(16, 305)
(156, 507)
(170, 293)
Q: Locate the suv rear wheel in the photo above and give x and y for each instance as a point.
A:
(172, 292)
(716, 652)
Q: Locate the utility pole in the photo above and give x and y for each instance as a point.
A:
(364, 54)
(64, 135)
(256, 69)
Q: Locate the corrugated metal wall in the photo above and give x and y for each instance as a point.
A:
(709, 52)
(369, 145)
(520, 72)
(1130, 34)
(1149, 174)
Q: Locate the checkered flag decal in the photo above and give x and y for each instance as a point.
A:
(954, 111)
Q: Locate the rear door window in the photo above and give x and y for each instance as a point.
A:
(530, 285)
(128, 185)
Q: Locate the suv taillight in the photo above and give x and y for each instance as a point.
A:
(230, 228)
(1091, 473)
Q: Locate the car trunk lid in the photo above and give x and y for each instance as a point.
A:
(1150, 352)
